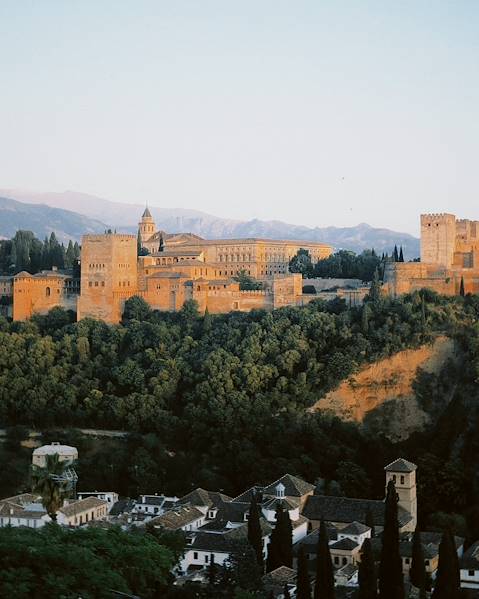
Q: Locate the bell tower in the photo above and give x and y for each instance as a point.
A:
(403, 475)
(146, 226)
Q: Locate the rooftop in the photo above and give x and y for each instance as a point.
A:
(178, 517)
(81, 505)
(400, 465)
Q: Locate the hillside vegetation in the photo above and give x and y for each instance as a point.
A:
(221, 401)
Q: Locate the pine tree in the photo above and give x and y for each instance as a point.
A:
(365, 319)
(401, 255)
(462, 293)
(390, 569)
(368, 583)
(255, 535)
(395, 254)
(448, 578)
(324, 586)
(303, 582)
(417, 573)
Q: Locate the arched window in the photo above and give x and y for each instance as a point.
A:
(48, 291)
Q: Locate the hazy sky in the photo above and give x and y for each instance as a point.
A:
(315, 112)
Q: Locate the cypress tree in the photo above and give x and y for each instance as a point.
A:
(390, 569)
(69, 255)
(161, 247)
(461, 289)
(448, 578)
(286, 593)
(139, 245)
(286, 540)
(417, 573)
(365, 319)
(369, 521)
(303, 583)
(401, 255)
(274, 559)
(255, 535)
(395, 254)
(368, 582)
(324, 586)
(423, 314)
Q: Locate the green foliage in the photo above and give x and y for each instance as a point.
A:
(247, 282)
(324, 585)
(348, 265)
(417, 573)
(390, 568)
(280, 548)
(302, 263)
(25, 252)
(447, 583)
(303, 580)
(86, 562)
(255, 535)
(367, 575)
(52, 491)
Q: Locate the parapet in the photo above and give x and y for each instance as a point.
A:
(437, 217)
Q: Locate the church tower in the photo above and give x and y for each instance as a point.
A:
(403, 475)
(146, 227)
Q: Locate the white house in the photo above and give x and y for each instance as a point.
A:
(23, 510)
(182, 517)
(109, 496)
(469, 565)
(154, 505)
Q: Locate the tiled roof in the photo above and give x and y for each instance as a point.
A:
(22, 499)
(288, 503)
(347, 510)
(348, 570)
(470, 559)
(400, 465)
(294, 486)
(355, 528)
(178, 517)
(121, 506)
(201, 498)
(344, 545)
(280, 576)
(82, 505)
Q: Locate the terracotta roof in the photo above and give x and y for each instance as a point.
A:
(400, 465)
(347, 510)
(344, 545)
(178, 517)
(82, 505)
(294, 486)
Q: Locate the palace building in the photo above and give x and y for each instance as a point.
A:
(449, 259)
(175, 268)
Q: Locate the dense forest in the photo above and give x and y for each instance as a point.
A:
(220, 401)
(25, 252)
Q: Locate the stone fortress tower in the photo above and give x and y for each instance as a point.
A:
(449, 259)
(109, 272)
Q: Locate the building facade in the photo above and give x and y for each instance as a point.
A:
(176, 268)
(449, 259)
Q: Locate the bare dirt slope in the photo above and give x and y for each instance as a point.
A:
(381, 394)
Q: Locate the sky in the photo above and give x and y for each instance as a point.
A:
(311, 112)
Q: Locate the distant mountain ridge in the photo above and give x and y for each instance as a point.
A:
(101, 213)
(43, 220)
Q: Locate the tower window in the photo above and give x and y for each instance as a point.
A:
(47, 291)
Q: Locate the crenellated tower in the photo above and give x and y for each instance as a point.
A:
(438, 239)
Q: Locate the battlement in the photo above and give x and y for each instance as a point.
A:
(437, 217)
(105, 236)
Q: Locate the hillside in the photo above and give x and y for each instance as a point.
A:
(43, 220)
(381, 395)
(125, 216)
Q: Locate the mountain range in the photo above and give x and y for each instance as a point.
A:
(70, 214)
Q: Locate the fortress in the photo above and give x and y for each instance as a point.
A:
(174, 269)
(449, 257)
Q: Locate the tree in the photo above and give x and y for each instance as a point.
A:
(462, 293)
(374, 295)
(369, 521)
(255, 534)
(70, 255)
(395, 254)
(286, 593)
(417, 573)
(368, 584)
(448, 581)
(161, 247)
(139, 244)
(302, 263)
(390, 568)
(324, 586)
(303, 582)
(241, 569)
(401, 255)
(365, 319)
(51, 490)
(247, 283)
(136, 308)
(280, 547)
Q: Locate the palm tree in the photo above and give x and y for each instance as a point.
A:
(47, 482)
